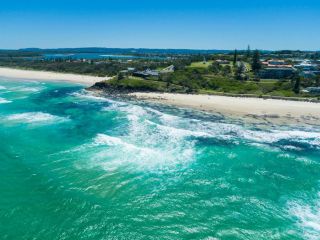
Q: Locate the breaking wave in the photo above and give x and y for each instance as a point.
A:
(307, 217)
(3, 100)
(35, 117)
(156, 140)
(27, 89)
(88, 96)
(289, 139)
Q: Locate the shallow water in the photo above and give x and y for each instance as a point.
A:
(77, 166)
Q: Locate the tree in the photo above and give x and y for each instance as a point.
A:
(297, 83)
(256, 78)
(241, 72)
(235, 57)
(248, 54)
(256, 64)
(317, 81)
(215, 67)
(120, 76)
(226, 70)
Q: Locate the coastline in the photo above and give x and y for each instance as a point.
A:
(249, 108)
(50, 76)
(255, 109)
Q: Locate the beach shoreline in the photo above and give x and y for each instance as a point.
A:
(255, 109)
(50, 76)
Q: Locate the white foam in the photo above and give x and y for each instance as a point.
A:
(111, 141)
(177, 125)
(165, 118)
(156, 140)
(307, 217)
(89, 96)
(2, 87)
(3, 100)
(27, 89)
(231, 131)
(310, 138)
(143, 148)
(179, 132)
(35, 117)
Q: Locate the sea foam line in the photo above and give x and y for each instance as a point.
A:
(3, 100)
(27, 89)
(35, 117)
(307, 217)
(219, 130)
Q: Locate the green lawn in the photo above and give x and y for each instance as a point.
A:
(200, 64)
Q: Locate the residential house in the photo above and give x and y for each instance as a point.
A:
(223, 61)
(169, 69)
(275, 69)
(146, 73)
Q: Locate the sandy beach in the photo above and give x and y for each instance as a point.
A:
(280, 111)
(257, 109)
(54, 76)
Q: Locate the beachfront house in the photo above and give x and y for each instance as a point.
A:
(153, 73)
(276, 69)
(146, 73)
(276, 73)
(169, 69)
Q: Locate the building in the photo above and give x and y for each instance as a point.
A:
(306, 65)
(275, 69)
(276, 73)
(222, 61)
(312, 90)
(307, 74)
(274, 63)
(146, 73)
(169, 69)
(307, 68)
(128, 71)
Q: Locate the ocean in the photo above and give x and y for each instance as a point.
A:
(78, 166)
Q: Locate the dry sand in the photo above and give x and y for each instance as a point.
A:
(54, 76)
(269, 110)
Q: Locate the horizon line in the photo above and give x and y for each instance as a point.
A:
(148, 48)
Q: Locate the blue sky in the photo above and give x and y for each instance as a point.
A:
(206, 24)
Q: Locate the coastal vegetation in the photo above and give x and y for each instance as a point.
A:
(187, 82)
(229, 72)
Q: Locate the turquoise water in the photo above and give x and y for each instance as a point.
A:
(77, 166)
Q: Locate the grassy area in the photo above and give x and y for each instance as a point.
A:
(139, 84)
(200, 64)
(189, 81)
(211, 84)
(221, 84)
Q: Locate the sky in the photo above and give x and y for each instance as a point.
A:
(205, 24)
